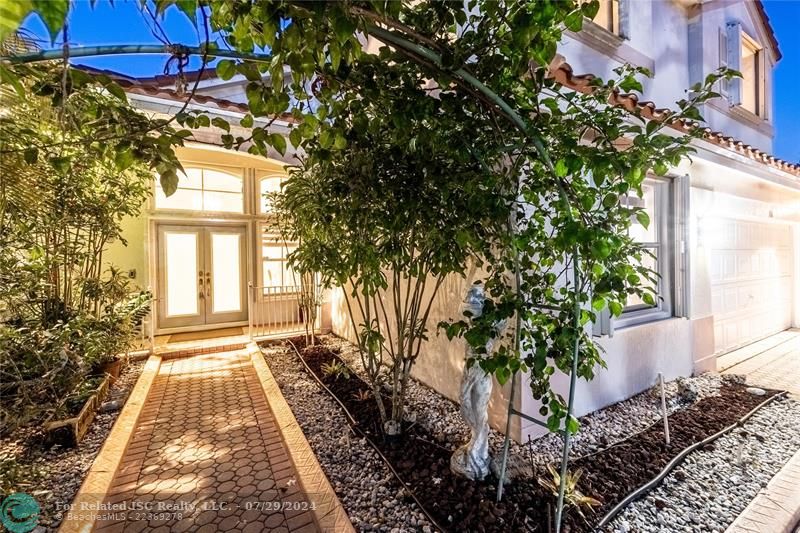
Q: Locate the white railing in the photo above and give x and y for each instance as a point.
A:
(276, 311)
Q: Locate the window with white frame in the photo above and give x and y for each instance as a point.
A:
(739, 51)
(608, 16)
(275, 270)
(751, 75)
(267, 185)
(658, 240)
(204, 189)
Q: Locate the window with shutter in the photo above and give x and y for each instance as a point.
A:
(723, 60)
(733, 41)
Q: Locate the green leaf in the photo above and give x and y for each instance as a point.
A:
(553, 423)
(643, 218)
(590, 9)
(615, 308)
(325, 139)
(296, 137)
(343, 28)
(169, 181)
(60, 164)
(123, 159)
(189, 8)
(53, 13)
(247, 121)
(630, 84)
(278, 142)
(226, 69)
(31, 155)
(561, 168)
(502, 374)
(202, 121)
(574, 20)
(221, 123)
(339, 141)
(11, 14)
(572, 425)
(116, 91)
(9, 76)
(660, 168)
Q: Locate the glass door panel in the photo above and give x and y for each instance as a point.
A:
(225, 274)
(179, 276)
(202, 276)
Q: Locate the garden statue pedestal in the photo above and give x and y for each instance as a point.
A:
(472, 460)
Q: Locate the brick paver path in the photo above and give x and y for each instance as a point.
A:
(206, 456)
(774, 368)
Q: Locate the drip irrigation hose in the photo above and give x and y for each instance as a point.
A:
(678, 459)
(357, 430)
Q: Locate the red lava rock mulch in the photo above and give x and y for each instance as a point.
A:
(461, 505)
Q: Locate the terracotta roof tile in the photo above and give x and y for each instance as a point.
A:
(562, 72)
(150, 87)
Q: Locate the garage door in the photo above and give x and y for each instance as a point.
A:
(751, 280)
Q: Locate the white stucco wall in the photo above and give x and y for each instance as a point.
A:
(634, 356)
(679, 42)
(441, 362)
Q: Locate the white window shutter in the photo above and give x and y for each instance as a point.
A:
(723, 60)
(733, 40)
(682, 210)
(624, 15)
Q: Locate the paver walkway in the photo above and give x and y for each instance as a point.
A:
(206, 456)
(774, 362)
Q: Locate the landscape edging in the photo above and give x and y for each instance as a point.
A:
(327, 510)
(88, 501)
(678, 459)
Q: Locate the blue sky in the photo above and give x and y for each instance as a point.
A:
(784, 15)
(123, 23)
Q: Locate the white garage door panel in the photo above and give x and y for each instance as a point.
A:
(751, 280)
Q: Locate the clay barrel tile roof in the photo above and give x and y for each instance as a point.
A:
(562, 73)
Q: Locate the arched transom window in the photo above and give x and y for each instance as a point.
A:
(203, 189)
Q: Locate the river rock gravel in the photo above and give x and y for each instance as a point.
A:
(712, 486)
(373, 499)
(599, 430)
(54, 475)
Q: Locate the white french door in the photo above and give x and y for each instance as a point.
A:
(201, 275)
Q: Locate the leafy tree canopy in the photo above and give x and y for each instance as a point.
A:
(481, 69)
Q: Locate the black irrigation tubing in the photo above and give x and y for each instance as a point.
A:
(678, 459)
(355, 427)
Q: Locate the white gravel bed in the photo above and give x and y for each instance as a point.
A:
(713, 486)
(53, 476)
(598, 430)
(371, 496)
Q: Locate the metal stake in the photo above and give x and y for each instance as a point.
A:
(507, 440)
(664, 408)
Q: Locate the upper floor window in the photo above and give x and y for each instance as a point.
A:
(741, 52)
(608, 16)
(203, 189)
(751, 75)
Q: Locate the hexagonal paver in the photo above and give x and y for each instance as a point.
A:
(207, 465)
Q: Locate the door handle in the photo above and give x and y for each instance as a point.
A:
(208, 284)
(202, 294)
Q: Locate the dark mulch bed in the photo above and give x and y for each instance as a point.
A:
(461, 505)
